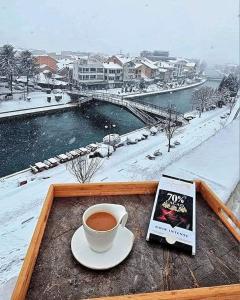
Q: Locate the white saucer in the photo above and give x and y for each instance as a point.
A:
(122, 246)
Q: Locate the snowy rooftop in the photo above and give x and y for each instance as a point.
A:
(149, 63)
(65, 62)
(111, 65)
(137, 65)
(123, 59)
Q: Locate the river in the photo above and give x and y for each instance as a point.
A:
(32, 139)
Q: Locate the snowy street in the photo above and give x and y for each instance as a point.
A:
(206, 135)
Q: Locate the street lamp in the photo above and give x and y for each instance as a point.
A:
(110, 126)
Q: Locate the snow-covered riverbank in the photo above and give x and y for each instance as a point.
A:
(215, 158)
(152, 89)
(38, 99)
(164, 91)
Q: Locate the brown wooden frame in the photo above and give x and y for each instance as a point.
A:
(127, 188)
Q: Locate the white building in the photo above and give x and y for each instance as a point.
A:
(94, 74)
(113, 74)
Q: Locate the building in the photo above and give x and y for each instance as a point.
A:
(129, 71)
(113, 74)
(127, 64)
(178, 69)
(87, 73)
(190, 70)
(145, 69)
(155, 55)
(94, 74)
(164, 71)
(48, 61)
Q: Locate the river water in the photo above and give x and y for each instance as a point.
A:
(32, 139)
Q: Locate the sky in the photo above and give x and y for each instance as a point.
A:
(205, 29)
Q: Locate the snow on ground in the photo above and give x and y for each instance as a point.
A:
(38, 99)
(215, 148)
(216, 161)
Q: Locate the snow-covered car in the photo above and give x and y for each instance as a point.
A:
(53, 161)
(41, 166)
(63, 158)
(103, 151)
(84, 151)
(145, 134)
(92, 147)
(46, 162)
(153, 130)
(223, 117)
(176, 143)
(189, 118)
(131, 141)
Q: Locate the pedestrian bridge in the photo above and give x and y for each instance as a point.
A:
(148, 113)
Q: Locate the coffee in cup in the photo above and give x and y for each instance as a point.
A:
(101, 223)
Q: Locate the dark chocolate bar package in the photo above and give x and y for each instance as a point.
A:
(173, 218)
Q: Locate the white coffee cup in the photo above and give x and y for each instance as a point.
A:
(101, 241)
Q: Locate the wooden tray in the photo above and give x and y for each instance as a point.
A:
(49, 270)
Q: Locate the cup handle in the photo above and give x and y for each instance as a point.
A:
(124, 219)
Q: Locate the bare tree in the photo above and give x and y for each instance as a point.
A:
(172, 124)
(84, 168)
(202, 98)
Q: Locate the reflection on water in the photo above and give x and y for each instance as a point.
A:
(27, 141)
(181, 99)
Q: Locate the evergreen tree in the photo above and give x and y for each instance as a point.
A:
(222, 84)
(27, 65)
(230, 83)
(8, 63)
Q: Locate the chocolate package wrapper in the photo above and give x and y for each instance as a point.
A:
(173, 218)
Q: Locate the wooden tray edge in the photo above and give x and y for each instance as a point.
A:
(124, 188)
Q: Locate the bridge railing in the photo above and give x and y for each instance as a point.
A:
(150, 105)
(120, 100)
